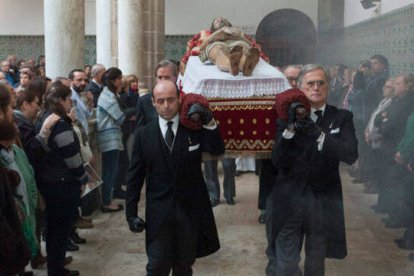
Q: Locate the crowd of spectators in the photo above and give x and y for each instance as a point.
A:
(383, 109)
(45, 128)
(52, 135)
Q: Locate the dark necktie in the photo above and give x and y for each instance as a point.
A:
(319, 114)
(169, 135)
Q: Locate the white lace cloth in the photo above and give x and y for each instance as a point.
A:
(209, 81)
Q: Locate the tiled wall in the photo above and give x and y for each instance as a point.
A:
(26, 47)
(175, 46)
(391, 35)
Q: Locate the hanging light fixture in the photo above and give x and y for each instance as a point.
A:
(367, 4)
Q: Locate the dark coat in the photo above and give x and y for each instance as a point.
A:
(145, 110)
(128, 103)
(373, 93)
(301, 166)
(14, 250)
(392, 129)
(27, 133)
(96, 91)
(173, 177)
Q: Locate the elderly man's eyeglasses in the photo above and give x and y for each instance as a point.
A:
(319, 83)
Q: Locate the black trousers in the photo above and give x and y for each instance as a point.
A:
(267, 178)
(123, 164)
(174, 247)
(62, 201)
(305, 222)
(212, 181)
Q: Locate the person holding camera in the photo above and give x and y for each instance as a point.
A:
(306, 203)
(180, 223)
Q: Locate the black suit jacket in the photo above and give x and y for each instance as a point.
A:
(301, 166)
(145, 110)
(173, 177)
(96, 91)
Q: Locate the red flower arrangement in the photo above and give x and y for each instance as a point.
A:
(285, 99)
(187, 100)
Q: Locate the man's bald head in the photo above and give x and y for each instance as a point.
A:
(166, 99)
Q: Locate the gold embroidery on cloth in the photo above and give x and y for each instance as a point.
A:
(240, 107)
(246, 144)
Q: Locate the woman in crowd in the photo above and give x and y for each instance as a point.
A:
(25, 191)
(39, 87)
(87, 69)
(405, 151)
(128, 98)
(61, 186)
(375, 168)
(110, 117)
(41, 71)
(14, 249)
(391, 123)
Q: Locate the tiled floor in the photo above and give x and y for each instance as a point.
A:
(113, 250)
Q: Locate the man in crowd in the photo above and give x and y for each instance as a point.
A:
(292, 72)
(78, 84)
(5, 69)
(306, 202)
(267, 173)
(14, 71)
(83, 113)
(180, 223)
(166, 70)
(95, 86)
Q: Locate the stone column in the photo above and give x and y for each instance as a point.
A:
(104, 32)
(130, 37)
(154, 38)
(64, 36)
(114, 30)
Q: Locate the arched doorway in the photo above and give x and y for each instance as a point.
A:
(287, 36)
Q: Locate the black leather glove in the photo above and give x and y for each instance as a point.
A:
(308, 127)
(136, 224)
(204, 114)
(292, 113)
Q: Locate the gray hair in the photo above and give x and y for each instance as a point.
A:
(295, 66)
(167, 63)
(312, 67)
(96, 69)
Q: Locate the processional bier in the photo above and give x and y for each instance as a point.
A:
(243, 107)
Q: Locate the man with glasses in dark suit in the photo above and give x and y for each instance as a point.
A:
(306, 203)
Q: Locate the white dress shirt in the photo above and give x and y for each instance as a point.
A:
(164, 126)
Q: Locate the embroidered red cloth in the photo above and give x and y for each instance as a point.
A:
(247, 125)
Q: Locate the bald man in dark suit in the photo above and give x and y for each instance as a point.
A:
(180, 224)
